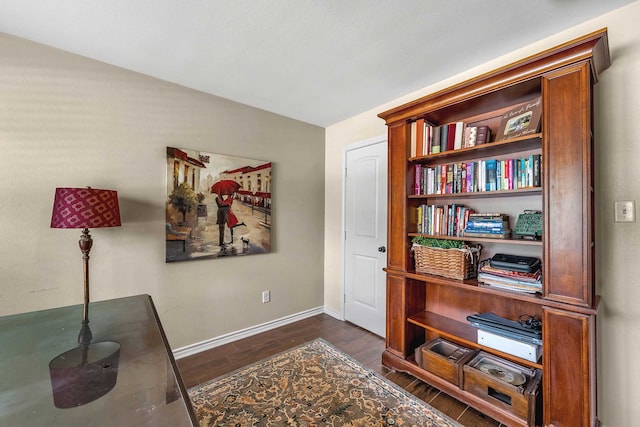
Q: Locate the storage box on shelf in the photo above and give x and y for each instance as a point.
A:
(514, 388)
(444, 359)
(542, 161)
(447, 258)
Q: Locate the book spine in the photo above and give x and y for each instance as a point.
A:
(491, 166)
(465, 138)
(504, 235)
(511, 170)
(412, 138)
(537, 175)
(435, 144)
(459, 134)
(484, 135)
(419, 137)
(417, 179)
(444, 135)
(473, 136)
(474, 223)
(451, 136)
(463, 178)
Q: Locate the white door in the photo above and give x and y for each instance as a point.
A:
(366, 236)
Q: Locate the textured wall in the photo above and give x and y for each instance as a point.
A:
(66, 120)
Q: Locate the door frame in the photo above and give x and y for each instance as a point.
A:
(343, 229)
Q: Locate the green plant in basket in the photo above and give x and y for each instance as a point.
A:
(438, 243)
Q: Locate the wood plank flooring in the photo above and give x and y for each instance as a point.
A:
(353, 340)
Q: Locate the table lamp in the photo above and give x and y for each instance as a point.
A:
(85, 373)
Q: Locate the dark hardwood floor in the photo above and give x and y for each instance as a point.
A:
(353, 340)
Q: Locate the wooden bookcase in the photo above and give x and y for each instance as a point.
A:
(421, 307)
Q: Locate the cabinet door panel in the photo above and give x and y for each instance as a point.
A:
(569, 375)
(405, 298)
(397, 257)
(567, 177)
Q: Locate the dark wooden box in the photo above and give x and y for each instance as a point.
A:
(444, 359)
(512, 387)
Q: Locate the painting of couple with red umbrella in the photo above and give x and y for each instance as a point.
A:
(217, 205)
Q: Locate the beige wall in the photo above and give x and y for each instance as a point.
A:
(617, 177)
(66, 120)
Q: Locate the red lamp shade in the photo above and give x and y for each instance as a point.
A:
(85, 208)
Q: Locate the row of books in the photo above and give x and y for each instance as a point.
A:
(491, 225)
(428, 139)
(445, 220)
(482, 175)
(458, 220)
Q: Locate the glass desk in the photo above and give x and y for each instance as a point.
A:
(126, 377)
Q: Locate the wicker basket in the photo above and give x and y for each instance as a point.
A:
(452, 263)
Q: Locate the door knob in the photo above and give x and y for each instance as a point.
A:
(382, 249)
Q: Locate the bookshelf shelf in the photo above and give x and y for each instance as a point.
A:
(421, 307)
(506, 146)
(460, 332)
(482, 239)
(478, 194)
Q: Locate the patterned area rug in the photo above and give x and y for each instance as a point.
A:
(314, 384)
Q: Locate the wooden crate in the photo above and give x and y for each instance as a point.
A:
(512, 387)
(444, 359)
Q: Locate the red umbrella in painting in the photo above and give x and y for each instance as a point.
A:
(225, 187)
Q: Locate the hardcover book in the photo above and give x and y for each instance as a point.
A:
(451, 136)
(483, 135)
(444, 137)
(435, 140)
(420, 137)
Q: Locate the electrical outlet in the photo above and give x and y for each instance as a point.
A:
(266, 296)
(625, 211)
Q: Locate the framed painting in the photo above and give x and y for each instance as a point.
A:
(217, 205)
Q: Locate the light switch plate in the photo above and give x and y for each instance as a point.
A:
(625, 211)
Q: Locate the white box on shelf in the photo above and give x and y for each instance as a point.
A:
(530, 352)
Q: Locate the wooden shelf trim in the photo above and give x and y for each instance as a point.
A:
(593, 46)
(494, 193)
(481, 239)
(472, 285)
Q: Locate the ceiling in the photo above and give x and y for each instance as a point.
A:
(318, 61)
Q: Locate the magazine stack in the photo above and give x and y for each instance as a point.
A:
(511, 272)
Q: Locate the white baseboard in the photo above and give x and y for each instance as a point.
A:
(192, 349)
(333, 313)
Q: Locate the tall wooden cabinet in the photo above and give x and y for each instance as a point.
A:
(422, 307)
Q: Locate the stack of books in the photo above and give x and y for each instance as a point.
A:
(492, 225)
(511, 278)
